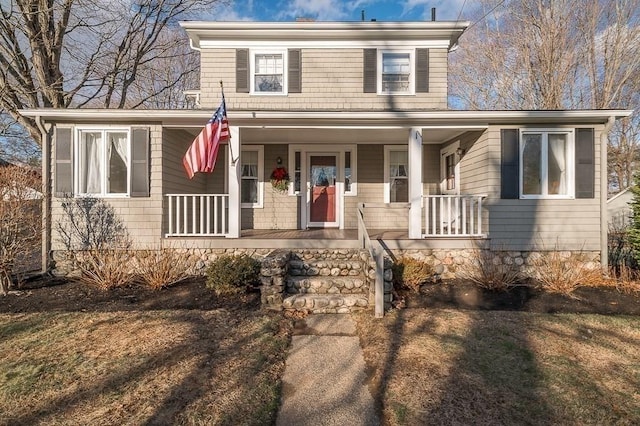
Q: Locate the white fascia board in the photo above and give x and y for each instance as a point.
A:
(322, 44)
(245, 33)
(326, 118)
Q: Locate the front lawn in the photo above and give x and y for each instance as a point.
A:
(219, 366)
(434, 366)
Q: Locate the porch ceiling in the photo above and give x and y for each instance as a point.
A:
(352, 136)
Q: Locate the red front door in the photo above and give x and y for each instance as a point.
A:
(322, 176)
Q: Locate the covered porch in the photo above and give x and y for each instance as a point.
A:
(414, 183)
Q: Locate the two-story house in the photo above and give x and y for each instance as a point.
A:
(356, 113)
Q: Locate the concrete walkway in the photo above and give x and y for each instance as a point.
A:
(324, 380)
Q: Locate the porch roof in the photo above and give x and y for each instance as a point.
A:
(327, 119)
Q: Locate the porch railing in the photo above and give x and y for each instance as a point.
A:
(197, 215)
(377, 254)
(453, 215)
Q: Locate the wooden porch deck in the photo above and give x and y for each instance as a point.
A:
(326, 238)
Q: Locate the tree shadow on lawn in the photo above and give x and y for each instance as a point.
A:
(487, 380)
(215, 364)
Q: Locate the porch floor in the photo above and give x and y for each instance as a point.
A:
(322, 238)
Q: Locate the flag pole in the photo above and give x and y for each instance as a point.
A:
(233, 159)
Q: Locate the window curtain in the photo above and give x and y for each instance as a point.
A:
(119, 144)
(557, 165)
(92, 164)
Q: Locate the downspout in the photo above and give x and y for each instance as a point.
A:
(46, 192)
(604, 186)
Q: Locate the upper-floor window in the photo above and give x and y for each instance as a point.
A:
(546, 163)
(268, 72)
(102, 162)
(396, 72)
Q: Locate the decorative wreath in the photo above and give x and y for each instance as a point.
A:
(280, 179)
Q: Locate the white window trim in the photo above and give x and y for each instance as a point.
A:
(544, 160)
(353, 150)
(451, 149)
(412, 72)
(387, 159)
(103, 154)
(285, 68)
(260, 150)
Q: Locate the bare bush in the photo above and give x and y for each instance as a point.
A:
(624, 278)
(559, 272)
(161, 268)
(488, 271)
(411, 273)
(105, 268)
(20, 219)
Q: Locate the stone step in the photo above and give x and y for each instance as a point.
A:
(326, 285)
(325, 267)
(326, 304)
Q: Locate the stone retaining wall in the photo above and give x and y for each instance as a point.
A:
(448, 264)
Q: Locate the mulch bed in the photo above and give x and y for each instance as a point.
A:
(458, 294)
(57, 294)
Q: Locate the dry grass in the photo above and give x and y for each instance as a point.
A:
(487, 270)
(624, 279)
(450, 367)
(557, 273)
(157, 367)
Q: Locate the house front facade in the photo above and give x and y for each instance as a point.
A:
(356, 114)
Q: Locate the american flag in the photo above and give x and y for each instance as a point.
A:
(201, 155)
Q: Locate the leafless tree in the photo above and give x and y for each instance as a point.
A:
(20, 220)
(62, 53)
(555, 54)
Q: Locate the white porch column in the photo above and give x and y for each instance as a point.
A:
(415, 183)
(234, 182)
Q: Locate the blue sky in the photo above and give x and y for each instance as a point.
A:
(342, 10)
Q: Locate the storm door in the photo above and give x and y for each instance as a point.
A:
(323, 194)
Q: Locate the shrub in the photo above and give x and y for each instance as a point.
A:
(232, 274)
(488, 271)
(411, 273)
(558, 273)
(161, 268)
(105, 268)
(624, 278)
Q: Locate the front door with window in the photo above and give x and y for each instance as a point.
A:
(322, 195)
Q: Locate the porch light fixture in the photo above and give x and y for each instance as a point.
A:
(279, 160)
(460, 152)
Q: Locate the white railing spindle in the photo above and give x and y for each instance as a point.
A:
(206, 210)
(458, 215)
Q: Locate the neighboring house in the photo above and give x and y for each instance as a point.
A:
(357, 113)
(619, 210)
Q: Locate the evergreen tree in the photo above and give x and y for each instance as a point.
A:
(634, 229)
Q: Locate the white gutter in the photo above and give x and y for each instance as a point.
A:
(175, 116)
(604, 185)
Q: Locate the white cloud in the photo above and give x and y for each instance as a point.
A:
(323, 10)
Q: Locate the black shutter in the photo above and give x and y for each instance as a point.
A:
(585, 163)
(422, 70)
(509, 164)
(140, 162)
(242, 70)
(63, 173)
(295, 71)
(369, 71)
